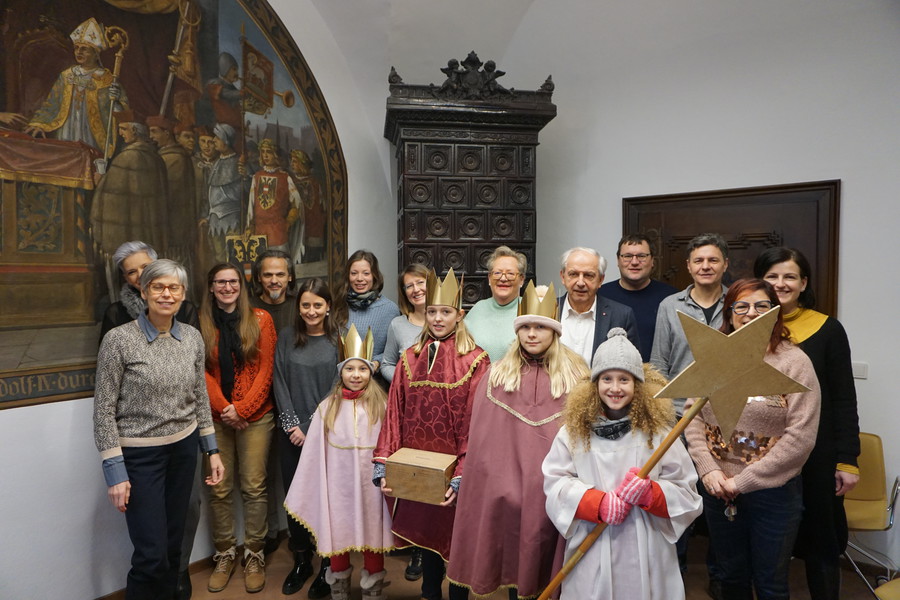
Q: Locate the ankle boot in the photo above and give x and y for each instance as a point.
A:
(339, 583)
(414, 568)
(319, 587)
(373, 585)
(299, 574)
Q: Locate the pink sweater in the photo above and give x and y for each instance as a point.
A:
(774, 435)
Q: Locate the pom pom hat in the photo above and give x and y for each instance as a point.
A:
(617, 352)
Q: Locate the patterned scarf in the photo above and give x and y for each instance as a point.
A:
(611, 430)
(362, 301)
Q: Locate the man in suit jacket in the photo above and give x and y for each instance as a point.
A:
(585, 315)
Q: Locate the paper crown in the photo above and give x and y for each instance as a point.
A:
(533, 303)
(446, 293)
(352, 346)
(91, 33)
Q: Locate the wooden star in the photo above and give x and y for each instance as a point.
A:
(728, 369)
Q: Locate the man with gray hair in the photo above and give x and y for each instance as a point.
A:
(585, 315)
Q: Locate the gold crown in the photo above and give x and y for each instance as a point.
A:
(446, 293)
(352, 346)
(533, 304)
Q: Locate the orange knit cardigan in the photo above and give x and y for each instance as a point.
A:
(251, 382)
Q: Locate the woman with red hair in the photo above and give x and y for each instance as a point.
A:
(753, 497)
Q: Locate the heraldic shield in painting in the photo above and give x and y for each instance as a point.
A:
(192, 125)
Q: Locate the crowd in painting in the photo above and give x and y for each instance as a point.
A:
(295, 400)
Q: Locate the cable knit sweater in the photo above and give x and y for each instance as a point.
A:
(252, 382)
(774, 435)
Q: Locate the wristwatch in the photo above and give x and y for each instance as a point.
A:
(213, 451)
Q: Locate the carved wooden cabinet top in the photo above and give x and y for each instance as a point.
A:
(470, 95)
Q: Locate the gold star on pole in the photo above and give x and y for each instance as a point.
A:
(728, 369)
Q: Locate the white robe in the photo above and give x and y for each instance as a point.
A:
(635, 560)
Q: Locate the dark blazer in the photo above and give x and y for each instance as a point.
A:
(609, 314)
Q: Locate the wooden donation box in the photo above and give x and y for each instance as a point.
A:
(466, 169)
(419, 475)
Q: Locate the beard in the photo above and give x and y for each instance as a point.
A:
(275, 294)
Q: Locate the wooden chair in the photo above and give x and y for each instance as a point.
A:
(870, 508)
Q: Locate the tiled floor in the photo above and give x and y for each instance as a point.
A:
(280, 563)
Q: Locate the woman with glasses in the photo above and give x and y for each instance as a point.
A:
(240, 353)
(490, 321)
(130, 259)
(358, 300)
(406, 328)
(752, 496)
(831, 470)
(151, 412)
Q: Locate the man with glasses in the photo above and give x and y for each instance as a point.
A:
(636, 289)
(585, 314)
(490, 321)
(702, 300)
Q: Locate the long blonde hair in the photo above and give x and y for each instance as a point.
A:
(249, 324)
(465, 343)
(648, 414)
(564, 366)
(373, 400)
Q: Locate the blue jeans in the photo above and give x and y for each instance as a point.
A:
(754, 550)
(161, 479)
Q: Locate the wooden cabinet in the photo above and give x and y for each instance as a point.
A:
(466, 169)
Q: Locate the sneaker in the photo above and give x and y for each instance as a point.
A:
(414, 568)
(223, 571)
(254, 571)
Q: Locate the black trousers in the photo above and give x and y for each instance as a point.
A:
(289, 455)
(433, 571)
(161, 479)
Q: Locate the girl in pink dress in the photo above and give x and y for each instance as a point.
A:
(332, 494)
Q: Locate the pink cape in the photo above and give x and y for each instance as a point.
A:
(503, 536)
(332, 494)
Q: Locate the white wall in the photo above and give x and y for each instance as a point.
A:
(654, 96)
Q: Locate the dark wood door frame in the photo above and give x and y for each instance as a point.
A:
(800, 215)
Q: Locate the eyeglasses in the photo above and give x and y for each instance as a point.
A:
(642, 257)
(175, 289)
(742, 308)
(498, 275)
(414, 285)
(222, 283)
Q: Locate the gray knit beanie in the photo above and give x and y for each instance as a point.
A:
(617, 352)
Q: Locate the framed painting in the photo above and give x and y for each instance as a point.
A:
(799, 215)
(195, 126)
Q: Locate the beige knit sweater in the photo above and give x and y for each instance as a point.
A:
(774, 435)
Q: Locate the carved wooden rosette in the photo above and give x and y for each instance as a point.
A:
(466, 177)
